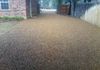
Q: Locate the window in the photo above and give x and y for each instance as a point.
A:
(4, 4)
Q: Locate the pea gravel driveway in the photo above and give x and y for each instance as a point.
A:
(51, 42)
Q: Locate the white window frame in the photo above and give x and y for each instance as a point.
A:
(5, 2)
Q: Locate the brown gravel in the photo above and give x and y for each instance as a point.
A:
(51, 42)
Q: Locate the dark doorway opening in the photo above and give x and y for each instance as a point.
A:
(56, 6)
(32, 8)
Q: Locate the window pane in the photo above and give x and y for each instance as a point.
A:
(4, 6)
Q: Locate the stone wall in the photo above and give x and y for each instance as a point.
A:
(16, 8)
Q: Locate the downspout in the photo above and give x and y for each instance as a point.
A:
(30, 8)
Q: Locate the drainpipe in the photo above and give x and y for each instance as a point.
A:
(30, 8)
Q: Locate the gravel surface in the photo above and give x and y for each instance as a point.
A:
(51, 42)
(7, 26)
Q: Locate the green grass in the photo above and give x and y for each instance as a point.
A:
(7, 18)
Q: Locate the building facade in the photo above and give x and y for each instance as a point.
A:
(29, 8)
(21, 8)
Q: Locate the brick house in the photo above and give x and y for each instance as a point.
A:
(23, 8)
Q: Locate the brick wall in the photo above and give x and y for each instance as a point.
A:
(16, 8)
